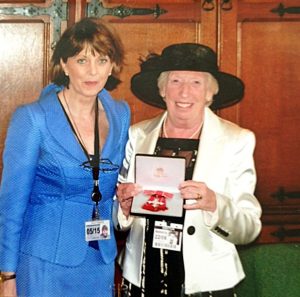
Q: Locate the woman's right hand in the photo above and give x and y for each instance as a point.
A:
(125, 194)
(8, 288)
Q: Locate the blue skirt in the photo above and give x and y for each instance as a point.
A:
(92, 278)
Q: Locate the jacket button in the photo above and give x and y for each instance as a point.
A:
(191, 230)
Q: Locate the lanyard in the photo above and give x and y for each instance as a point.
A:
(94, 162)
(96, 195)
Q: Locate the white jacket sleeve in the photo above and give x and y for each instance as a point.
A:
(237, 218)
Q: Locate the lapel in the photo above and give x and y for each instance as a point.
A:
(147, 133)
(148, 136)
(210, 147)
(112, 142)
(59, 127)
(57, 123)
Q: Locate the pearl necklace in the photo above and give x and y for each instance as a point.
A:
(192, 136)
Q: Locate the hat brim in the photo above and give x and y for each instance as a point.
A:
(144, 87)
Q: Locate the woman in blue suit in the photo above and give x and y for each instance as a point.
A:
(61, 161)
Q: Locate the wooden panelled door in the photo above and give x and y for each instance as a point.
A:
(260, 40)
(27, 33)
(256, 40)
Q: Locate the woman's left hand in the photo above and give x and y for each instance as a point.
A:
(204, 197)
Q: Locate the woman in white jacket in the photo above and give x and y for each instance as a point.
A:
(219, 209)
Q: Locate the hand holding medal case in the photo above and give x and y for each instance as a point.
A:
(159, 177)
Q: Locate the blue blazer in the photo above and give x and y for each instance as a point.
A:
(45, 194)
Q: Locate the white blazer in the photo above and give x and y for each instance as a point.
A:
(225, 163)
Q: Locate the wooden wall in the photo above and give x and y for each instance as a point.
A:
(256, 40)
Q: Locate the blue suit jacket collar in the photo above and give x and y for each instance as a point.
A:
(58, 125)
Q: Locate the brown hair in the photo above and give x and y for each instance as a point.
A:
(98, 35)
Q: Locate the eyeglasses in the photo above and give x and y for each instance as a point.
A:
(105, 166)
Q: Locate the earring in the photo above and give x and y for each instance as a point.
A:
(66, 73)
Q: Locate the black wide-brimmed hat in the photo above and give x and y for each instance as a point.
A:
(188, 57)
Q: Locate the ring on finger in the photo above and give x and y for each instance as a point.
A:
(199, 197)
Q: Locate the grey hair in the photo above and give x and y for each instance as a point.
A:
(212, 84)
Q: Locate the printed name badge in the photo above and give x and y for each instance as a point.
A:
(167, 236)
(97, 230)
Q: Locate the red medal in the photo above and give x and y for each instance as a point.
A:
(157, 200)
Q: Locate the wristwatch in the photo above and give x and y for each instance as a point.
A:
(5, 277)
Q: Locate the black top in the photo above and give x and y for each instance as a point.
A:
(163, 270)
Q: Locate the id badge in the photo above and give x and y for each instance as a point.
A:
(97, 230)
(167, 236)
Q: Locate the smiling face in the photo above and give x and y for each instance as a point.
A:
(88, 72)
(186, 94)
